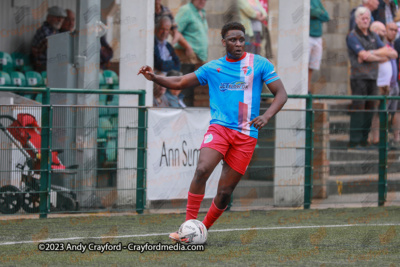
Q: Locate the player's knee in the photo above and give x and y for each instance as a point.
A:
(224, 194)
(201, 173)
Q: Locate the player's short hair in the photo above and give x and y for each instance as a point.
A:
(232, 26)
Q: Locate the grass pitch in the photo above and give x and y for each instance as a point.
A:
(330, 237)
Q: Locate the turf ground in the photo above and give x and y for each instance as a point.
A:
(330, 237)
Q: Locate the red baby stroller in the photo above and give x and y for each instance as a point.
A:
(25, 133)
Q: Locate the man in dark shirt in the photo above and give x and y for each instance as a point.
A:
(385, 12)
(366, 50)
(52, 25)
(165, 58)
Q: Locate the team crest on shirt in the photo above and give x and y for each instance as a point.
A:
(247, 70)
(233, 86)
(208, 138)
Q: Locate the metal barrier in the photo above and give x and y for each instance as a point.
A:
(41, 192)
(310, 135)
(34, 192)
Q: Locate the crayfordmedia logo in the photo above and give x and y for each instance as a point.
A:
(233, 86)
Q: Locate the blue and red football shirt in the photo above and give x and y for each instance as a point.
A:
(235, 88)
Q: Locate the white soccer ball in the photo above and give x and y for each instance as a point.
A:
(193, 232)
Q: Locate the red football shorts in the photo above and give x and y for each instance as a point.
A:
(236, 147)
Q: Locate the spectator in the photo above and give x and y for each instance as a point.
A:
(159, 98)
(396, 19)
(365, 51)
(165, 58)
(106, 52)
(192, 24)
(395, 107)
(69, 22)
(160, 11)
(385, 75)
(385, 12)
(175, 97)
(266, 34)
(318, 15)
(372, 5)
(54, 20)
(252, 14)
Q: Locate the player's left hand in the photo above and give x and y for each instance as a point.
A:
(259, 122)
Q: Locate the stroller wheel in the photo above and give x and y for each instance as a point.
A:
(10, 199)
(30, 202)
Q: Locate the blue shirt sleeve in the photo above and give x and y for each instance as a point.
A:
(269, 75)
(201, 74)
(379, 41)
(353, 43)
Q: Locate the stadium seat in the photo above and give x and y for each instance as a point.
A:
(111, 79)
(112, 82)
(102, 98)
(104, 126)
(108, 117)
(21, 62)
(5, 79)
(18, 79)
(44, 76)
(113, 101)
(34, 79)
(102, 81)
(6, 62)
(112, 143)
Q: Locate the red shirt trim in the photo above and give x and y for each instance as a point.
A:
(236, 60)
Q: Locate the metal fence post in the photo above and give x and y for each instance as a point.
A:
(141, 146)
(45, 156)
(383, 151)
(309, 151)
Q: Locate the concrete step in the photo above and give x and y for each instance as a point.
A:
(248, 189)
(366, 183)
(338, 107)
(357, 155)
(357, 167)
(339, 124)
(338, 141)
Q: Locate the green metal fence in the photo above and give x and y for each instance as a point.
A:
(310, 135)
(36, 197)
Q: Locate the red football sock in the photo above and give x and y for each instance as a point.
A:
(212, 215)
(193, 205)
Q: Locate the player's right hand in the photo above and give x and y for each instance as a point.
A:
(147, 72)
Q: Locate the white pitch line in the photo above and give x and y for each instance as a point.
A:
(220, 230)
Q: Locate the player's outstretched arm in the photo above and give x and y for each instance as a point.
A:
(278, 90)
(171, 82)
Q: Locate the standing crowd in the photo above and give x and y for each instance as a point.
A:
(373, 46)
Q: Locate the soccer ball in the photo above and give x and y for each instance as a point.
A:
(193, 232)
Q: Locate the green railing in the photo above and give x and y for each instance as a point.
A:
(309, 142)
(47, 111)
(46, 139)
